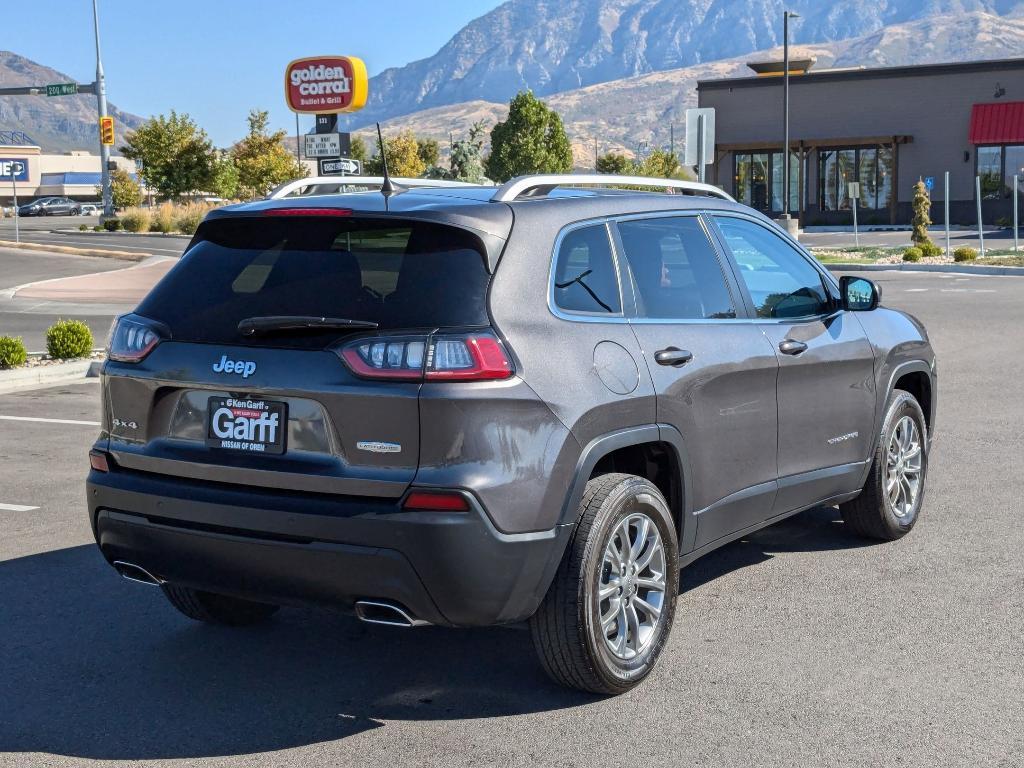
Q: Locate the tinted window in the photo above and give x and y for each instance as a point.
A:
(585, 279)
(675, 268)
(399, 274)
(781, 281)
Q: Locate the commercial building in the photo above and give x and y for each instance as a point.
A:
(884, 128)
(74, 174)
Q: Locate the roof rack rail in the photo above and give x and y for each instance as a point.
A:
(542, 184)
(357, 181)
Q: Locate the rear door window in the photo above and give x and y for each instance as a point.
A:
(675, 269)
(399, 274)
(585, 278)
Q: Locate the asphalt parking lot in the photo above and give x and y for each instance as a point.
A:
(798, 646)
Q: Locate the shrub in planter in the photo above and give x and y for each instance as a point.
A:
(965, 253)
(163, 220)
(912, 254)
(930, 250)
(68, 339)
(136, 219)
(97, 228)
(112, 225)
(12, 352)
(83, 227)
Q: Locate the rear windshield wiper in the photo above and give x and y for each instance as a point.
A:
(256, 326)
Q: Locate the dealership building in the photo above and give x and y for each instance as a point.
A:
(882, 127)
(35, 173)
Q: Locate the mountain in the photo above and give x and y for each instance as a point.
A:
(552, 46)
(58, 123)
(621, 113)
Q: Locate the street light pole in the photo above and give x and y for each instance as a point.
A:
(786, 16)
(101, 106)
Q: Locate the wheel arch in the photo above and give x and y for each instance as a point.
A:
(656, 452)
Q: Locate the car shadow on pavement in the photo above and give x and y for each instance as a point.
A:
(96, 667)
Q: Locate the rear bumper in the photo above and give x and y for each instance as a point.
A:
(283, 547)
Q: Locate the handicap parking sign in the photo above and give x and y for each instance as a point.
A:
(929, 182)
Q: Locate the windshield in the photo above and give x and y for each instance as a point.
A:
(395, 273)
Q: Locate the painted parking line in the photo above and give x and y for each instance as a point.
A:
(916, 290)
(16, 508)
(50, 421)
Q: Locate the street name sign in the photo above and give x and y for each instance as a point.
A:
(338, 166)
(62, 89)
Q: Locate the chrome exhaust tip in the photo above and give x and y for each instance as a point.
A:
(375, 612)
(136, 573)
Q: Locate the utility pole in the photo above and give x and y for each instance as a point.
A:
(786, 16)
(101, 106)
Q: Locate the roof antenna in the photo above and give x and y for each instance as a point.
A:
(389, 187)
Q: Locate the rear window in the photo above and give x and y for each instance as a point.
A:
(398, 274)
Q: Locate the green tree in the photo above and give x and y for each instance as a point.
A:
(531, 140)
(429, 151)
(613, 162)
(261, 158)
(662, 164)
(358, 151)
(176, 154)
(224, 180)
(125, 191)
(403, 153)
(921, 221)
(467, 160)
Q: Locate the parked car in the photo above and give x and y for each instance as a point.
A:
(51, 206)
(476, 406)
(89, 209)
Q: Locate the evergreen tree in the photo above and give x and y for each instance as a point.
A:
(531, 140)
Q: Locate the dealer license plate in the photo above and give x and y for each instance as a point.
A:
(247, 426)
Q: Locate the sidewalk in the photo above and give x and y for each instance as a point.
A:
(121, 286)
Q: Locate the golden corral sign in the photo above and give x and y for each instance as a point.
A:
(326, 84)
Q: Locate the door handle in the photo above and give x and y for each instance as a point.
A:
(673, 356)
(792, 347)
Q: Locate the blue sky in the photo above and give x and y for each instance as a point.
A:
(216, 59)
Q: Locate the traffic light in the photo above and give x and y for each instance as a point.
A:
(107, 131)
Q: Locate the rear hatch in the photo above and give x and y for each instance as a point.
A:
(286, 350)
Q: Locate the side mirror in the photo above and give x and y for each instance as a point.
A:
(859, 294)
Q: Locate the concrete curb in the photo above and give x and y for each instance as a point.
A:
(48, 375)
(966, 269)
(125, 255)
(121, 233)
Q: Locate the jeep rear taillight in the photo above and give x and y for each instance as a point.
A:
(133, 337)
(441, 357)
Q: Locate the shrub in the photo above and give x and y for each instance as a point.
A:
(912, 254)
(1004, 221)
(97, 228)
(930, 250)
(112, 224)
(83, 227)
(965, 253)
(187, 218)
(163, 221)
(136, 219)
(12, 352)
(68, 339)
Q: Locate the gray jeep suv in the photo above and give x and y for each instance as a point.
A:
(469, 406)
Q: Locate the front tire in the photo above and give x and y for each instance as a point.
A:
(213, 608)
(609, 610)
(890, 503)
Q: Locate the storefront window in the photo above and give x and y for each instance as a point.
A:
(794, 182)
(1014, 167)
(990, 169)
(871, 166)
(752, 179)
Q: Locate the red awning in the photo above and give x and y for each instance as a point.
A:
(998, 123)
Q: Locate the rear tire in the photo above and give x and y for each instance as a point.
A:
(213, 608)
(609, 610)
(890, 503)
